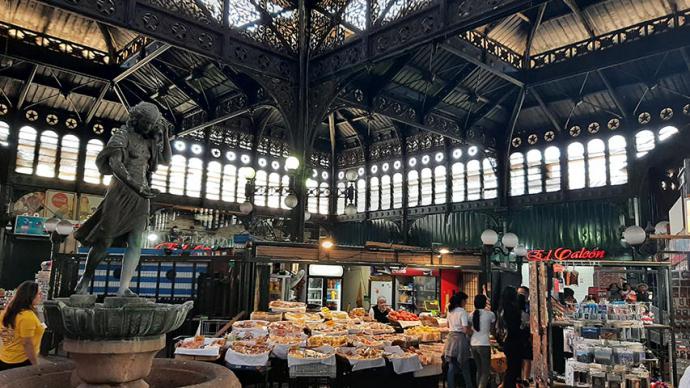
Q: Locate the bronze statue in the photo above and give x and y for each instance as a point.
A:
(132, 154)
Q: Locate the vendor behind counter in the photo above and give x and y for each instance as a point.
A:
(380, 312)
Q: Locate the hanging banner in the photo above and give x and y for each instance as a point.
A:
(563, 254)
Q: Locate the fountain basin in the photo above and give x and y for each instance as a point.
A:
(165, 373)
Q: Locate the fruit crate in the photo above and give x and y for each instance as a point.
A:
(313, 370)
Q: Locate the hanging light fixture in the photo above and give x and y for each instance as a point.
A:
(291, 201)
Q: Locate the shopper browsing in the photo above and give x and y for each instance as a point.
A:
(20, 329)
(457, 349)
(482, 322)
(511, 318)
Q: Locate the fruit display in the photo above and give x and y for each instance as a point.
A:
(429, 321)
(397, 316)
(425, 333)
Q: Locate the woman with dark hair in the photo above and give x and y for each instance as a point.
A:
(511, 319)
(482, 321)
(457, 348)
(20, 329)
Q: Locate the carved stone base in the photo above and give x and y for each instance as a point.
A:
(119, 363)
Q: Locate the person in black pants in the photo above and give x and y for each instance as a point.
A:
(512, 346)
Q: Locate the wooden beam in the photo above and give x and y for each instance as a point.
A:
(108, 39)
(552, 118)
(25, 88)
(533, 32)
(580, 17)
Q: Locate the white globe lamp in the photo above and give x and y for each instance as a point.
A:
(248, 172)
(307, 216)
(351, 175)
(520, 251)
(489, 237)
(350, 210)
(291, 163)
(634, 235)
(246, 207)
(51, 224)
(663, 227)
(510, 240)
(64, 228)
(291, 201)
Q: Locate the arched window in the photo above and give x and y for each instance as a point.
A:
(412, 188)
(427, 189)
(618, 160)
(213, 178)
(285, 182)
(596, 162)
(517, 174)
(440, 185)
(644, 142)
(474, 180)
(69, 154)
(664, 133)
(260, 180)
(273, 190)
(458, 180)
(534, 176)
(340, 205)
(490, 181)
(4, 134)
(385, 192)
(229, 187)
(373, 193)
(195, 173)
(91, 173)
(397, 190)
(361, 195)
(312, 196)
(26, 151)
(178, 166)
(552, 169)
(576, 166)
(324, 194)
(47, 154)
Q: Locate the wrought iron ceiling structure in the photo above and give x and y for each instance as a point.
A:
(354, 72)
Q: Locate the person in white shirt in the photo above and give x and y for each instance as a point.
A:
(685, 380)
(482, 321)
(457, 348)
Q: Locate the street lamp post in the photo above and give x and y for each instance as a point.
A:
(490, 241)
(58, 231)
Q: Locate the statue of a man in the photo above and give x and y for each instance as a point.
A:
(132, 154)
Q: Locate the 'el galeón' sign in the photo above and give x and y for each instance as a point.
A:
(565, 254)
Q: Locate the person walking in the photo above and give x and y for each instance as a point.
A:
(20, 329)
(457, 348)
(511, 318)
(482, 321)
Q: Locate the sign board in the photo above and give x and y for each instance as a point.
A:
(563, 254)
(30, 226)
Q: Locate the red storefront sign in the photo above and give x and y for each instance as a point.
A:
(565, 254)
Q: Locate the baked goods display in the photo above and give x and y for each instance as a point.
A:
(266, 316)
(429, 321)
(308, 354)
(303, 317)
(323, 340)
(285, 328)
(365, 341)
(425, 333)
(364, 353)
(250, 325)
(249, 348)
(328, 328)
(358, 312)
(375, 328)
(284, 306)
(285, 340)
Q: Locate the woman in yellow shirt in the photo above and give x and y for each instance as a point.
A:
(20, 329)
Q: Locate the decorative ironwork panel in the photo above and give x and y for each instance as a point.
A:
(493, 47)
(602, 42)
(349, 158)
(386, 11)
(319, 159)
(205, 11)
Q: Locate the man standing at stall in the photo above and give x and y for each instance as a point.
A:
(132, 155)
(380, 311)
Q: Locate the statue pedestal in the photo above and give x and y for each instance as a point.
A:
(117, 363)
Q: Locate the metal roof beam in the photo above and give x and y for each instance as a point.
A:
(376, 87)
(181, 84)
(96, 104)
(549, 114)
(533, 32)
(25, 88)
(612, 92)
(136, 62)
(461, 52)
(486, 110)
(438, 97)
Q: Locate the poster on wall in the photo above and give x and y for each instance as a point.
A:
(30, 226)
(381, 289)
(30, 204)
(60, 204)
(88, 205)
